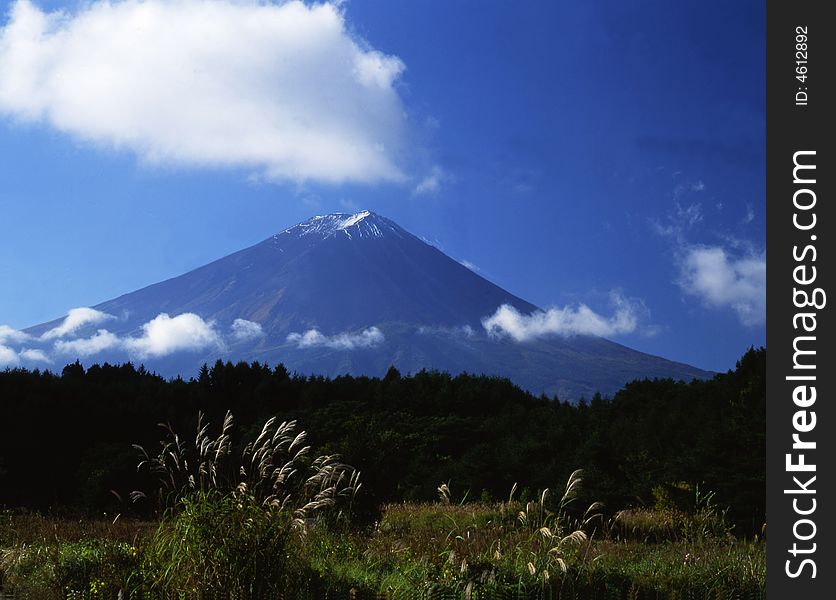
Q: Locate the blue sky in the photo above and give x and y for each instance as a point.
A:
(571, 152)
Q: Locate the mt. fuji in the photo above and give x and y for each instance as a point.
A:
(338, 294)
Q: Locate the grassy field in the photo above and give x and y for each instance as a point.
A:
(221, 546)
(270, 520)
(244, 510)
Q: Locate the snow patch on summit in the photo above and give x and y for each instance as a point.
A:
(364, 224)
(353, 219)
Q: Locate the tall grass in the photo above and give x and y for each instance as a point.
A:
(274, 470)
(409, 554)
(223, 546)
(235, 522)
(468, 549)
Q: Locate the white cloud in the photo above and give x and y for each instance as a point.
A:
(164, 335)
(160, 336)
(8, 357)
(8, 334)
(101, 341)
(720, 280)
(430, 185)
(341, 341)
(729, 274)
(76, 319)
(243, 330)
(282, 90)
(35, 355)
(567, 321)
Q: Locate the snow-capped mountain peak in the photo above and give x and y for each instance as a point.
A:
(352, 293)
(363, 224)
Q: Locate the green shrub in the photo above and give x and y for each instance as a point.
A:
(235, 524)
(677, 496)
(90, 568)
(223, 545)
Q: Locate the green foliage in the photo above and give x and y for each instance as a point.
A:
(90, 568)
(682, 512)
(673, 496)
(223, 546)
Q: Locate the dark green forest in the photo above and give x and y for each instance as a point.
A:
(66, 439)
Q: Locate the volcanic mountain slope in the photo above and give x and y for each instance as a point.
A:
(357, 294)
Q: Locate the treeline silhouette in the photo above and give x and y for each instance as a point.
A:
(66, 439)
